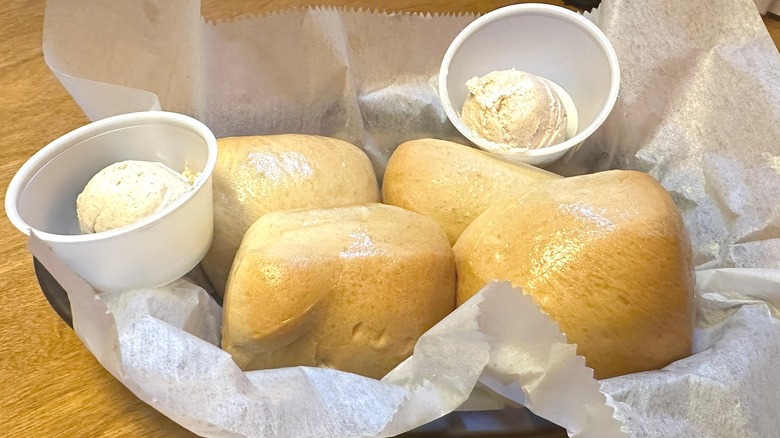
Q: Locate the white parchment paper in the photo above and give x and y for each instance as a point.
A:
(699, 109)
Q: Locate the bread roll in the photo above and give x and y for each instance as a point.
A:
(350, 288)
(452, 183)
(605, 255)
(256, 175)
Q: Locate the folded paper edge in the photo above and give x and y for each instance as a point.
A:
(84, 93)
(359, 11)
(619, 431)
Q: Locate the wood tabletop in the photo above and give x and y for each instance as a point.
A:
(50, 385)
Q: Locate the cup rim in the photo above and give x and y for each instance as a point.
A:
(49, 152)
(542, 10)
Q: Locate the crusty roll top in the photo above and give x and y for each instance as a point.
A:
(350, 288)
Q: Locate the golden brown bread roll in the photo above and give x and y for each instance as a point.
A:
(258, 174)
(350, 288)
(452, 183)
(605, 255)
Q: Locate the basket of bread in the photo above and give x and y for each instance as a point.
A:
(362, 239)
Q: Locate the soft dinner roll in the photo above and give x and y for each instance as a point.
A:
(350, 288)
(605, 255)
(452, 183)
(256, 175)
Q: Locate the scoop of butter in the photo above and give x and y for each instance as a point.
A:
(514, 109)
(126, 192)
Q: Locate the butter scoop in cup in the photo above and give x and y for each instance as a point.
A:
(126, 192)
(561, 47)
(151, 251)
(514, 109)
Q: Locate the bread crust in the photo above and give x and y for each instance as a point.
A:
(350, 288)
(605, 255)
(452, 183)
(255, 175)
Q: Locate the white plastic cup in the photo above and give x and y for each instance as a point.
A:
(151, 252)
(545, 40)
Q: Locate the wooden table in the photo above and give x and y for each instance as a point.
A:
(50, 385)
